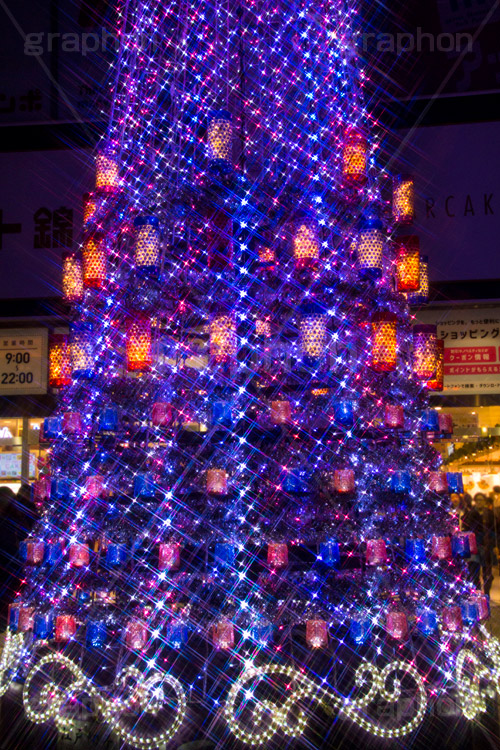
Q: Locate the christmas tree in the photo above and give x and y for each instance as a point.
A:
(243, 519)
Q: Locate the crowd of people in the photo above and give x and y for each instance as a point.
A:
(17, 516)
(480, 515)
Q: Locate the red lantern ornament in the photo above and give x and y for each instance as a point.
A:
(354, 157)
(403, 199)
(65, 627)
(72, 278)
(59, 361)
(437, 382)
(424, 351)
(407, 263)
(223, 339)
(217, 481)
(277, 555)
(316, 633)
(107, 176)
(94, 486)
(34, 552)
(397, 625)
(281, 412)
(441, 547)
(139, 351)
(384, 342)
(306, 244)
(483, 604)
(438, 482)
(136, 635)
(161, 414)
(343, 480)
(41, 491)
(472, 541)
(445, 423)
(72, 423)
(394, 416)
(376, 552)
(452, 618)
(26, 617)
(169, 556)
(95, 261)
(223, 634)
(79, 554)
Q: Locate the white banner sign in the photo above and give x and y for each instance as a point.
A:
(471, 347)
(23, 361)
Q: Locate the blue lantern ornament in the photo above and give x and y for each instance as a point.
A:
(97, 634)
(455, 482)
(225, 554)
(400, 482)
(52, 427)
(14, 617)
(144, 485)
(370, 248)
(470, 612)
(262, 632)
(81, 350)
(427, 621)
(116, 555)
(147, 243)
(343, 412)
(415, 550)
(359, 629)
(43, 626)
(460, 545)
(222, 413)
(329, 554)
(53, 553)
(429, 421)
(60, 488)
(295, 482)
(177, 633)
(108, 419)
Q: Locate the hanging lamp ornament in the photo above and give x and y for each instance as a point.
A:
(107, 177)
(354, 157)
(139, 346)
(72, 277)
(421, 295)
(384, 342)
(306, 244)
(403, 199)
(407, 263)
(59, 361)
(424, 351)
(95, 261)
(147, 243)
(369, 248)
(220, 140)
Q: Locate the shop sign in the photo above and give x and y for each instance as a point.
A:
(471, 347)
(23, 361)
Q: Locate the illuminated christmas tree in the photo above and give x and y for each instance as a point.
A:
(243, 516)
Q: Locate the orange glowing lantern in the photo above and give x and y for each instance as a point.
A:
(107, 175)
(384, 342)
(306, 244)
(407, 263)
(89, 207)
(424, 351)
(403, 200)
(354, 157)
(220, 140)
(421, 296)
(59, 361)
(72, 277)
(263, 327)
(95, 261)
(139, 352)
(217, 481)
(437, 382)
(344, 481)
(223, 339)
